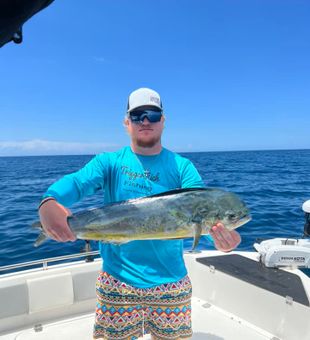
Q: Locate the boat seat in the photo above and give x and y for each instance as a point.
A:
(14, 299)
(50, 294)
(84, 285)
(46, 292)
(50, 291)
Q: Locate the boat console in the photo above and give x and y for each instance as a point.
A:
(287, 252)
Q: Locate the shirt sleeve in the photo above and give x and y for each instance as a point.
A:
(190, 177)
(209, 238)
(73, 187)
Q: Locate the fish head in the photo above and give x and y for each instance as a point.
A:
(235, 219)
(226, 208)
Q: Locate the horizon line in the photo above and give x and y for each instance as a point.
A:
(209, 151)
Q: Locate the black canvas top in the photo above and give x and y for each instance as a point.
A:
(13, 14)
(272, 279)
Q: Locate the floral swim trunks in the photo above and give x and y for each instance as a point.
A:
(124, 312)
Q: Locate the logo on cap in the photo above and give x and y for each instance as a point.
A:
(155, 100)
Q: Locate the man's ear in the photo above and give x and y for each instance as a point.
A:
(126, 122)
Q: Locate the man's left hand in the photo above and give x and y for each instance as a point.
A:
(224, 239)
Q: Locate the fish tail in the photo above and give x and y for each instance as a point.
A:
(41, 238)
(36, 225)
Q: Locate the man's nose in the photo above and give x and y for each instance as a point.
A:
(145, 121)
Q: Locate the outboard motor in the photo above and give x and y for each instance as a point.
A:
(306, 209)
(287, 252)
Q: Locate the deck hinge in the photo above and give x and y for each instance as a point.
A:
(289, 300)
(38, 327)
(212, 269)
(207, 305)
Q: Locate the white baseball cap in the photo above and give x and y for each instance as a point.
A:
(143, 97)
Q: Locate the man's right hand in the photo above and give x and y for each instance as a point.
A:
(53, 217)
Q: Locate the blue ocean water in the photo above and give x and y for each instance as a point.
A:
(274, 184)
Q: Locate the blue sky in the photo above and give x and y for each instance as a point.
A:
(233, 75)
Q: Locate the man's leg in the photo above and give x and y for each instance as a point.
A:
(169, 310)
(119, 312)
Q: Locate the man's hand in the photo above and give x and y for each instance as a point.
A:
(53, 218)
(224, 239)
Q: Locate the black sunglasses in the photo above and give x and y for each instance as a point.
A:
(138, 116)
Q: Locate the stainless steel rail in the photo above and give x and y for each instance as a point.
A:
(44, 262)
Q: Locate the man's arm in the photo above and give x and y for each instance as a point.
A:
(66, 191)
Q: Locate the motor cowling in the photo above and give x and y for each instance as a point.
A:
(306, 209)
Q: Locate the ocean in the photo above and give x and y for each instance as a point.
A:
(274, 184)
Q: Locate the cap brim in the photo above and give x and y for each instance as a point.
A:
(150, 105)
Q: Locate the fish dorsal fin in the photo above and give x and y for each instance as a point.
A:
(176, 191)
(162, 194)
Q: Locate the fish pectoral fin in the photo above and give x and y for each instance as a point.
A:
(197, 234)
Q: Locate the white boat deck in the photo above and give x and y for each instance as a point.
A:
(209, 323)
(59, 302)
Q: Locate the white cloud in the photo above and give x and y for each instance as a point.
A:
(45, 147)
(100, 59)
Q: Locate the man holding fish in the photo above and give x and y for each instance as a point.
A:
(143, 286)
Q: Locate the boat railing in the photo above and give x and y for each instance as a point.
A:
(89, 257)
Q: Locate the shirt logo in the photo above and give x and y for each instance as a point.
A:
(141, 182)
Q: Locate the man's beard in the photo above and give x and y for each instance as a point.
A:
(147, 143)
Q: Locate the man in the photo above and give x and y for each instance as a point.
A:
(143, 286)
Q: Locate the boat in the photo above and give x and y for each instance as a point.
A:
(235, 297)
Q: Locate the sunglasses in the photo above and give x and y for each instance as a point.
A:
(138, 116)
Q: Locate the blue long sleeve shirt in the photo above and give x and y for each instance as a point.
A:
(124, 175)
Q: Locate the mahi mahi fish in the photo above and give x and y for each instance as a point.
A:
(174, 214)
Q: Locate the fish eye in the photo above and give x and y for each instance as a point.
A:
(230, 214)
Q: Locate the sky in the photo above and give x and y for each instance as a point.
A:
(232, 75)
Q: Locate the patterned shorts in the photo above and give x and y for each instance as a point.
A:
(124, 312)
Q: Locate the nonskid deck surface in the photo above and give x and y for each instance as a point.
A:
(209, 323)
(275, 280)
